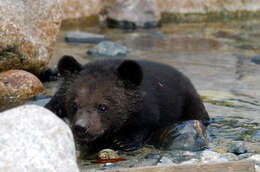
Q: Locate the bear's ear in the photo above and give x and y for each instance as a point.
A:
(130, 71)
(68, 65)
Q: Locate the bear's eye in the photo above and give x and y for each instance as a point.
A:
(102, 108)
(74, 108)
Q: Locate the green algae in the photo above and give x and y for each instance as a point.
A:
(218, 102)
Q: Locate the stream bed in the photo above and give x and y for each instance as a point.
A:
(221, 61)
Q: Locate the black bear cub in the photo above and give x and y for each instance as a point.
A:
(119, 103)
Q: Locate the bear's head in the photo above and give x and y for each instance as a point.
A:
(100, 97)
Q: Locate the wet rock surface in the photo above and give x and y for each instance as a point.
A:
(131, 14)
(34, 139)
(108, 49)
(237, 148)
(16, 86)
(256, 135)
(256, 59)
(28, 32)
(84, 37)
(188, 135)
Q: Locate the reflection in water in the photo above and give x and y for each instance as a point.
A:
(240, 70)
(243, 66)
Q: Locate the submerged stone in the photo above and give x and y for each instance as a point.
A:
(188, 135)
(256, 135)
(84, 37)
(237, 147)
(244, 156)
(158, 35)
(152, 156)
(256, 59)
(108, 49)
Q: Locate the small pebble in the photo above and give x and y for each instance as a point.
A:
(256, 135)
(107, 154)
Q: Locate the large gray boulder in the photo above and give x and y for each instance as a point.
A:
(130, 14)
(82, 8)
(34, 139)
(28, 31)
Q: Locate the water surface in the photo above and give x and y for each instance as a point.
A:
(217, 59)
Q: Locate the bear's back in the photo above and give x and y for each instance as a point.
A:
(166, 91)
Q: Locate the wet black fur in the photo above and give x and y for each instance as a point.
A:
(156, 95)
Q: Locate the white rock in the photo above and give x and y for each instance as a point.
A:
(257, 168)
(256, 159)
(210, 156)
(34, 139)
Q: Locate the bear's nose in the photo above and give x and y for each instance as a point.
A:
(80, 129)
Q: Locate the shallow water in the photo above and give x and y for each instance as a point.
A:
(215, 56)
